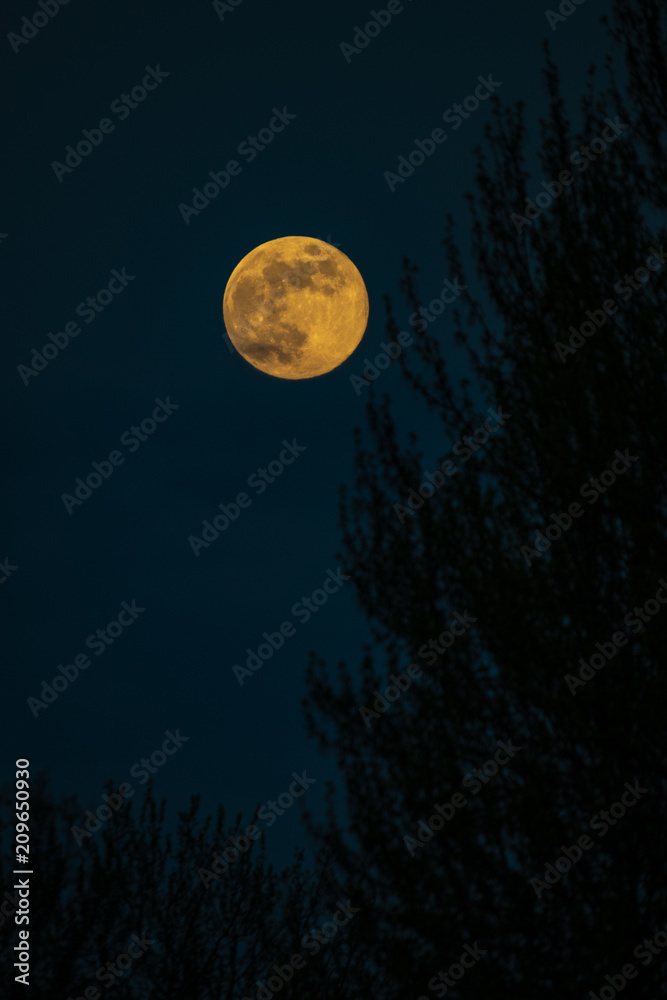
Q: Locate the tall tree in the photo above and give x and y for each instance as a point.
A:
(570, 352)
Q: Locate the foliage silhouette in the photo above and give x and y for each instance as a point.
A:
(462, 550)
(133, 876)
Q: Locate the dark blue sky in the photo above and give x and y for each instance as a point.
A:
(161, 338)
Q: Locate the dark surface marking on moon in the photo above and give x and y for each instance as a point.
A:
(275, 271)
(331, 269)
(285, 351)
(301, 279)
(249, 291)
(292, 336)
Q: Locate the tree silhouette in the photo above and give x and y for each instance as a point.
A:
(575, 400)
(205, 937)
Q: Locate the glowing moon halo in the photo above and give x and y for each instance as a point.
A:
(295, 307)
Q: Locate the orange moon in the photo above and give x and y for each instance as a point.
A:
(295, 307)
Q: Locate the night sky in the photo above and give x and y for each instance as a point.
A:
(159, 345)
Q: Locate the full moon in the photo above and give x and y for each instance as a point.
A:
(295, 307)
